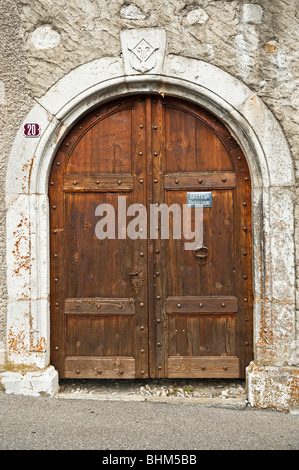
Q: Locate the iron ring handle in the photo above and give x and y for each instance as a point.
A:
(201, 252)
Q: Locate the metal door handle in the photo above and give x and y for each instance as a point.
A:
(132, 274)
(201, 253)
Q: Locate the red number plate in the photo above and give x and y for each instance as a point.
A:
(31, 129)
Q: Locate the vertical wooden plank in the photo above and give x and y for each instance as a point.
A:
(158, 271)
(243, 230)
(140, 253)
(57, 257)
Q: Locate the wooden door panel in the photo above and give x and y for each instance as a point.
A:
(146, 307)
(99, 336)
(105, 143)
(104, 367)
(207, 367)
(99, 314)
(191, 142)
(185, 275)
(202, 335)
(96, 267)
(202, 300)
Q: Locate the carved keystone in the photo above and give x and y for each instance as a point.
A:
(143, 50)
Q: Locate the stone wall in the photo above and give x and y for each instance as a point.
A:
(42, 41)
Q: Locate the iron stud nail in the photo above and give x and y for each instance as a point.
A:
(158, 345)
(155, 154)
(155, 128)
(55, 255)
(158, 297)
(141, 153)
(223, 179)
(77, 371)
(56, 304)
(203, 367)
(157, 252)
(245, 276)
(141, 304)
(52, 183)
(141, 126)
(157, 273)
(176, 181)
(244, 253)
(99, 371)
(54, 207)
(97, 182)
(179, 305)
(160, 367)
(119, 182)
(74, 183)
(98, 306)
(141, 181)
(58, 163)
(200, 181)
(245, 228)
(246, 343)
(142, 327)
(121, 371)
(222, 305)
(67, 144)
(142, 351)
(56, 279)
(158, 320)
(245, 300)
(155, 180)
(246, 178)
(142, 372)
(201, 304)
(56, 348)
(142, 254)
(120, 307)
(244, 203)
(55, 231)
(225, 368)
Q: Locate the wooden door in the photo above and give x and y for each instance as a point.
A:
(125, 307)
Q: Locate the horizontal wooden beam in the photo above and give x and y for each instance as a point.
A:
(201, 304)
(100, 367)
(199, 180)
(203, 366)
(99, 306)
(99, 183)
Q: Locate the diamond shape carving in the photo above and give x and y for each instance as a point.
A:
(143, 50)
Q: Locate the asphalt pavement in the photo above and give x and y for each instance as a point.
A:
(44, 423)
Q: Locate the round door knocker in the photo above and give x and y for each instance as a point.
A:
(201, 253)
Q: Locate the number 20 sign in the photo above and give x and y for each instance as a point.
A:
(31, 129)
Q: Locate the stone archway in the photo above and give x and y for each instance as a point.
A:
(147, 68)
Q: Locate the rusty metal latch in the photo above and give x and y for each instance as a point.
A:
(136, 279)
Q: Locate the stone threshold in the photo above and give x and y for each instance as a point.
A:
(213, 392)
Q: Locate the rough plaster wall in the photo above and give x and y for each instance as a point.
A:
(255, 41)
(14, 104)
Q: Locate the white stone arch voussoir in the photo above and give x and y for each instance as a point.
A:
(249, 120)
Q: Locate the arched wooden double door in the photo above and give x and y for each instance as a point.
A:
(147, 307)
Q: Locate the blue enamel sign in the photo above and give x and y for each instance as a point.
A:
(199, 199)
